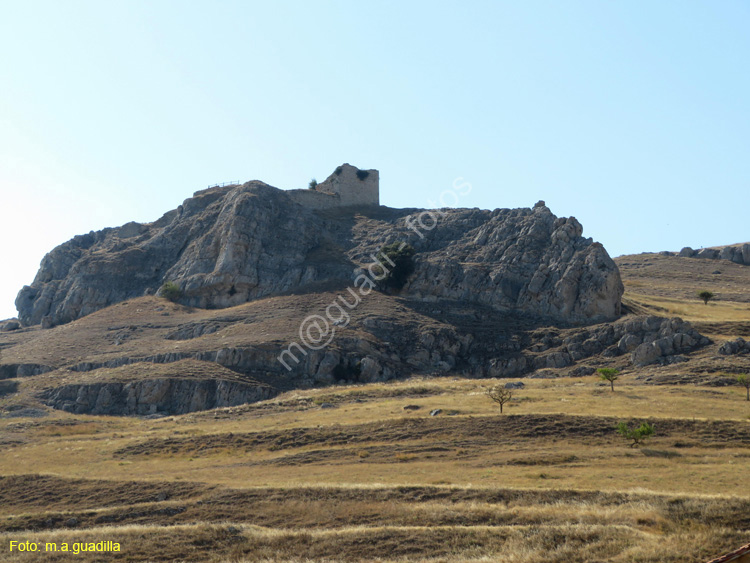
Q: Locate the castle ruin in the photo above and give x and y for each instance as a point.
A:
(347, 186)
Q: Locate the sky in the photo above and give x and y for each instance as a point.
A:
(632, 116)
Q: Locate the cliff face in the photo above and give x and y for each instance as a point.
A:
(151, 396)
(229, 245)
(224, 246)
(519, 259)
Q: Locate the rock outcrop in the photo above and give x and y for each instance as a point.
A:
(739, 254)
(224, 246)
(228, 245)
(664, 342)
(154, 396)
(9, 325)
(520, 259)
(732, 347)
(12, 371)
(648, 340)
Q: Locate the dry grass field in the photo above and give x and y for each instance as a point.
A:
(365, 472)
(295, 479)
(668, 286)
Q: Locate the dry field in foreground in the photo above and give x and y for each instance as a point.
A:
(364, 472)
(347, 473)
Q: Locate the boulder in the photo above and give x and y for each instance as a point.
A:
(629, 342)
(687, 252)
(646, 354)
(9, 325)
(732, 347)
(727, 253)
(708, 253)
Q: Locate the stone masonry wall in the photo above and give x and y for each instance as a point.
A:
(353, 186)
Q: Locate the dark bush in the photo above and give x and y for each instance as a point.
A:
(362, 174)
(398, 260)
(170, 291)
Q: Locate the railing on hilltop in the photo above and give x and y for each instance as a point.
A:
(233, 183)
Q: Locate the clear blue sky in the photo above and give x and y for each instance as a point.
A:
(632, 116)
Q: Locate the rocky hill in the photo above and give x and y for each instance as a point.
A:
(489, 293)
(229, 245)
(503, 293)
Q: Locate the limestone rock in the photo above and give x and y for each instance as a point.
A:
(739, 254)
(165, 396)
(520, 259)
(628, 343)
(228, 245)
(708, 253)
(665, 340)
(727, 253)
(646, 354)
(9, 325)
(11, 371)
(732, 347)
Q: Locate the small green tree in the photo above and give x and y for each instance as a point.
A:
(744, 380)
(170, 291)
(500, 395)
(609, 374)
(638, 435)
(398, 264)
(313, 184)
(706, 296)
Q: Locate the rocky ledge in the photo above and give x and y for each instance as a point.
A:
(154, 396)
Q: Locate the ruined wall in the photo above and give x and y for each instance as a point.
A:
(313, 199)
(353, 186)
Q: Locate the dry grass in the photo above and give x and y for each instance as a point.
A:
(668, 286)
(287, 480)
(718, 311)
(554, 436)
(404, 524)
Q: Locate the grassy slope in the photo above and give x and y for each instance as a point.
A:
(290, 480)
(668, 286)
